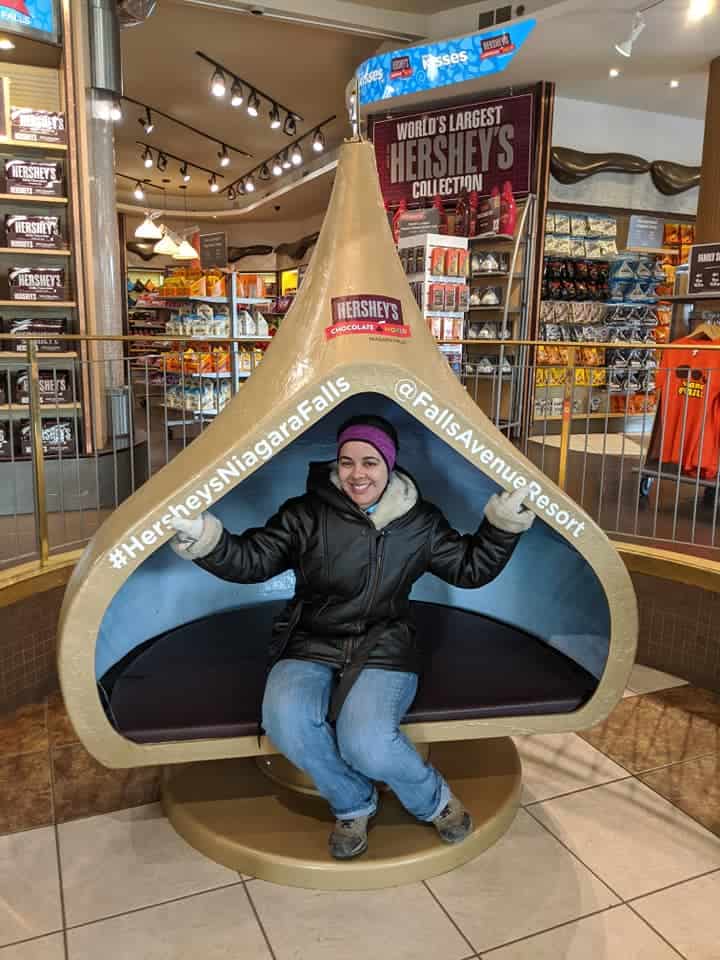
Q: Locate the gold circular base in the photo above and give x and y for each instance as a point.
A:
(230, 811)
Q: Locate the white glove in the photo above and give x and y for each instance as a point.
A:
(506, 512)
(195, 538)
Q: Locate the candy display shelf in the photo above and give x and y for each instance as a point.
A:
(38, 304)
(33, 145)
(29, 198)
(46, 410)
(25, 252)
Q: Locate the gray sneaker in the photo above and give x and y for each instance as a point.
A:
(349, 838)
(454, 823)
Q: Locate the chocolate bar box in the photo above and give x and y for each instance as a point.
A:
(32, 233)
(35, 178)
(37, 283)
(51, 326)
(54, 385)
(58, 436)
(5, 441)
(37, 126)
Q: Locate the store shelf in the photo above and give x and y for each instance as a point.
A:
(595, 416)
(651, 251)
(254, 299)
(450, 314)
(46, 410)
(496, 238)
(32, 145)
(42, 357)
(434, 279)
(211, 375)
(37, 304)
(498, 274)
(29, 198)
(255, 339)
(500, 306)
(25, 252)
(693, 297)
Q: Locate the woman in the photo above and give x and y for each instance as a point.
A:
(345, 660)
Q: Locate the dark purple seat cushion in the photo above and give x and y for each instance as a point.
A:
(205, 680)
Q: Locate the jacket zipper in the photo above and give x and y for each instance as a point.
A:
(379, 551)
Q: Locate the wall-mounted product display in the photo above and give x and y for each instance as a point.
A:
(37, 290)
(195, 309)
(598, 295)
(437, 267)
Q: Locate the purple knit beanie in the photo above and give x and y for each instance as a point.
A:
(384, 441)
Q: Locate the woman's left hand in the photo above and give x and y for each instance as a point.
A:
(506, 512)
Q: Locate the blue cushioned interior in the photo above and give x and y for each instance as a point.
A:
(547, 589)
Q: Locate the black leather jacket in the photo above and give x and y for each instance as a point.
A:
(351, 606)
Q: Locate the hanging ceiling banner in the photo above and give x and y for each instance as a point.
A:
(32, 18)
(434, 65)
(479, 145)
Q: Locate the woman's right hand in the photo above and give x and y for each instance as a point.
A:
(196, 538)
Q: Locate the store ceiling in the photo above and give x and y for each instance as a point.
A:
(574, 47)
(308, 67)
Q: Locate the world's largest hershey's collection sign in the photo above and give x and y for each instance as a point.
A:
(473, 146)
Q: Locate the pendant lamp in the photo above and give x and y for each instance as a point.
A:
(148, 230)
(167, 246)
(185, 251)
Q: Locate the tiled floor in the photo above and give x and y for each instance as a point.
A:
(614, 856)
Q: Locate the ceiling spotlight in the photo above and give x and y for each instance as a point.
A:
(231, 192)
(674, 84)
(116, 112)
(277, 167)
(185, 173)
(236, 94)
(290, 126)
(147, 157)
(162, 162)
(217, 84)
(318, 141)
(146, 122)
(138, 192)
(264, 172)
(249, 185)
(638, 25)
(699, 9)
(614, 72)
(148, 230)
(213, 184)
(296, 155)
(6, 44)
(275, 121)
(253, 105)
(240, 188)
(286, 165)
(224, 157)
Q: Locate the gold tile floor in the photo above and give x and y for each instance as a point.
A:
(615, 855)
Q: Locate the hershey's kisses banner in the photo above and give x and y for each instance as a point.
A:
(474, 146)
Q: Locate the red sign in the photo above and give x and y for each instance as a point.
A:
(475, 146)
(496, 46)
(368, 314)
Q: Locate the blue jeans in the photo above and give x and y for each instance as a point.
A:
(365, 745)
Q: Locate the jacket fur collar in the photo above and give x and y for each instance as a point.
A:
(399, 498)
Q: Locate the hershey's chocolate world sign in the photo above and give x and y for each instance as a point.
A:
(475, 146)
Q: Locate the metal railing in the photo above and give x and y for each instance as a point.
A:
(82, 430)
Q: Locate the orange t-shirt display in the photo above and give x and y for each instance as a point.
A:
(689, 384)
